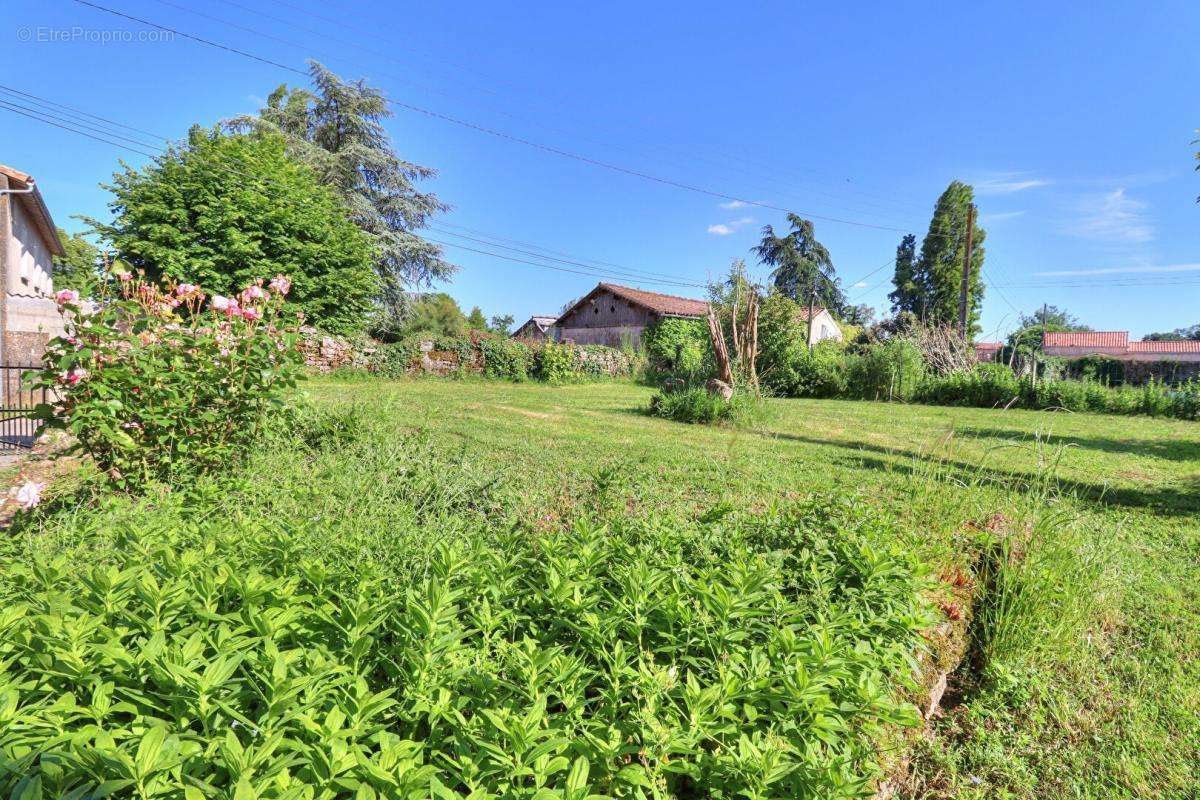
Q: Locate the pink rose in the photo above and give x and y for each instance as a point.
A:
(65, 296)
(184, 289)
(220, 303)
(28, 494)
(253, 292)
(72, 377)
(280, 284)
(252, 313)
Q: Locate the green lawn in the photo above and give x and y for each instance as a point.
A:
(1114, 716)
(1083, 676)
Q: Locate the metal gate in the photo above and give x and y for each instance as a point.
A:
(18, 428)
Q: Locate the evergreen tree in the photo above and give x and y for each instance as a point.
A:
(801, 264)
(908, 294)
(182, 216)
(337, 129)
(476, 321)
(939, 271)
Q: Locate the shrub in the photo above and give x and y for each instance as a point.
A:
(820, 372)
(395, 359)
(153, 382)
(554, 363)
(505, 358)
(678, 348)
(696, 404)
(892, 370)
(184, 217)
(986, 386)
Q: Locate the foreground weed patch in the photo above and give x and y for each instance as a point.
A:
(628, 656)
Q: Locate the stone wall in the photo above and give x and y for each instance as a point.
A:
(324, 353)
(606, 361)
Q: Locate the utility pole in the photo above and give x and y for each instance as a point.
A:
(812, 301)
(966, 273)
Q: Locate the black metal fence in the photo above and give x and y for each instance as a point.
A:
(18, 428)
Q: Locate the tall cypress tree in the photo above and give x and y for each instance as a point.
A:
(939, 270)
(908, 294)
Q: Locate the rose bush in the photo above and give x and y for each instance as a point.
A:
(155, 381)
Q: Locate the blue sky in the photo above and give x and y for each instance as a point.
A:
(1074, 123)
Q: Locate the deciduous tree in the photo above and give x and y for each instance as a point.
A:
(223, 210)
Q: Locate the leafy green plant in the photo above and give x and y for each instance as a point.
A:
(890, 370)
(153, 382)
(554, 363)
(624, 656)
(678, 348)
(505, 358)
(820, 372)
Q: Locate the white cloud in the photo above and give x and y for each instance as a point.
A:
(732, 204)
(861, 285)
(1000, 217)
(1119, 270)
(1008, 184)
(1112, 217)
(726, 228)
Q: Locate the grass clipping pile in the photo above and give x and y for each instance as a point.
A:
(739, 655)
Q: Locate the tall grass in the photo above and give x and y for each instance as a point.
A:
(696, 404)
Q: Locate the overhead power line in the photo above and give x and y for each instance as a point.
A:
(589, 269)
(68, 120)
(561, 152)
(44, 102)
(74, 130)
(891, 204)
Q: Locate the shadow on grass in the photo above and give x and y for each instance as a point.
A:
(1155, 448)
(1164, 500)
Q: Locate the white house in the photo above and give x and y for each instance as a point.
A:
(28, 245)
(824, 326)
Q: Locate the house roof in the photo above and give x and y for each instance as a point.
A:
(803, 315)
(989, 346)
(1186, 346)
(539, 321)
(667, 305)
(35, 206)
(1113, 339)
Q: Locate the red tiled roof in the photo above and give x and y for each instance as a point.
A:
(1117, 339)
(1188, 346)
(665, 304)
(803, 315)
(989, 345)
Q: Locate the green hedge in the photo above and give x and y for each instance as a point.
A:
(895, 371)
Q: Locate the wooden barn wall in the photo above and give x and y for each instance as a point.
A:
(605, 319)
